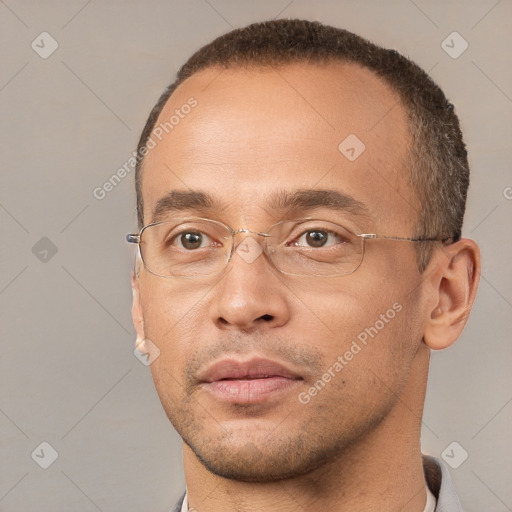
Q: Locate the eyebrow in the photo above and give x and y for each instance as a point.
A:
(303, 200)
(280, 202)
(178, 200)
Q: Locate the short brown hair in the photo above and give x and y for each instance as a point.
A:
(438, 158)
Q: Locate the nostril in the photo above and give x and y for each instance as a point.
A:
(267, 317)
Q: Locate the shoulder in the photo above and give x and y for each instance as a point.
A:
(439, 482)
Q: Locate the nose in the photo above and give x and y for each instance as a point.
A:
(251, 294)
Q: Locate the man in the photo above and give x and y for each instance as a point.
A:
(300, 194)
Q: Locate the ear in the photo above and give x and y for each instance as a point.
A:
(137, 317)
(454, 284)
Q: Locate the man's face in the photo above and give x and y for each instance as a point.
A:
(251, 134)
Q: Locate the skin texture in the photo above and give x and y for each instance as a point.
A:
(253, 132)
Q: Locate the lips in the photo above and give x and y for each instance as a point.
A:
(249, 381)
(246, 370)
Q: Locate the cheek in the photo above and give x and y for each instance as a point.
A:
(369, 355)
(173, 321)
(166, 305)
(369, 317)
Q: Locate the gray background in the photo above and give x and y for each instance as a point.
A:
(68, 375)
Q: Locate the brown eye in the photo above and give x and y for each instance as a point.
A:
(316, 238)
(191, 240)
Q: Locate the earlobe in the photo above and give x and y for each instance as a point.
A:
(137, 317)
(455, 285)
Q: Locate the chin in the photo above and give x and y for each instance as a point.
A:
(257, 462)
(245, 469)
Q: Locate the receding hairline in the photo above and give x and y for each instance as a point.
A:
(236, 68)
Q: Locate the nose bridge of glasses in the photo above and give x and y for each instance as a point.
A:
(248, 232)
(243, 230)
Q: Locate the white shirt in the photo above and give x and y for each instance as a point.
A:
(184, 505)
(431, 501)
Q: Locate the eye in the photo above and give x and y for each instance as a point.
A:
(191, 240)
(319, 238)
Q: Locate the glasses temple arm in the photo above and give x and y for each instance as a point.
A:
(133, 238)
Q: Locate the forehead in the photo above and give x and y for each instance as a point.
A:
(302, 126)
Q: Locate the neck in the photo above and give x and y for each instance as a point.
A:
(381, 473)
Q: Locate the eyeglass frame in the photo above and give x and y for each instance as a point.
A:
(135, 238)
